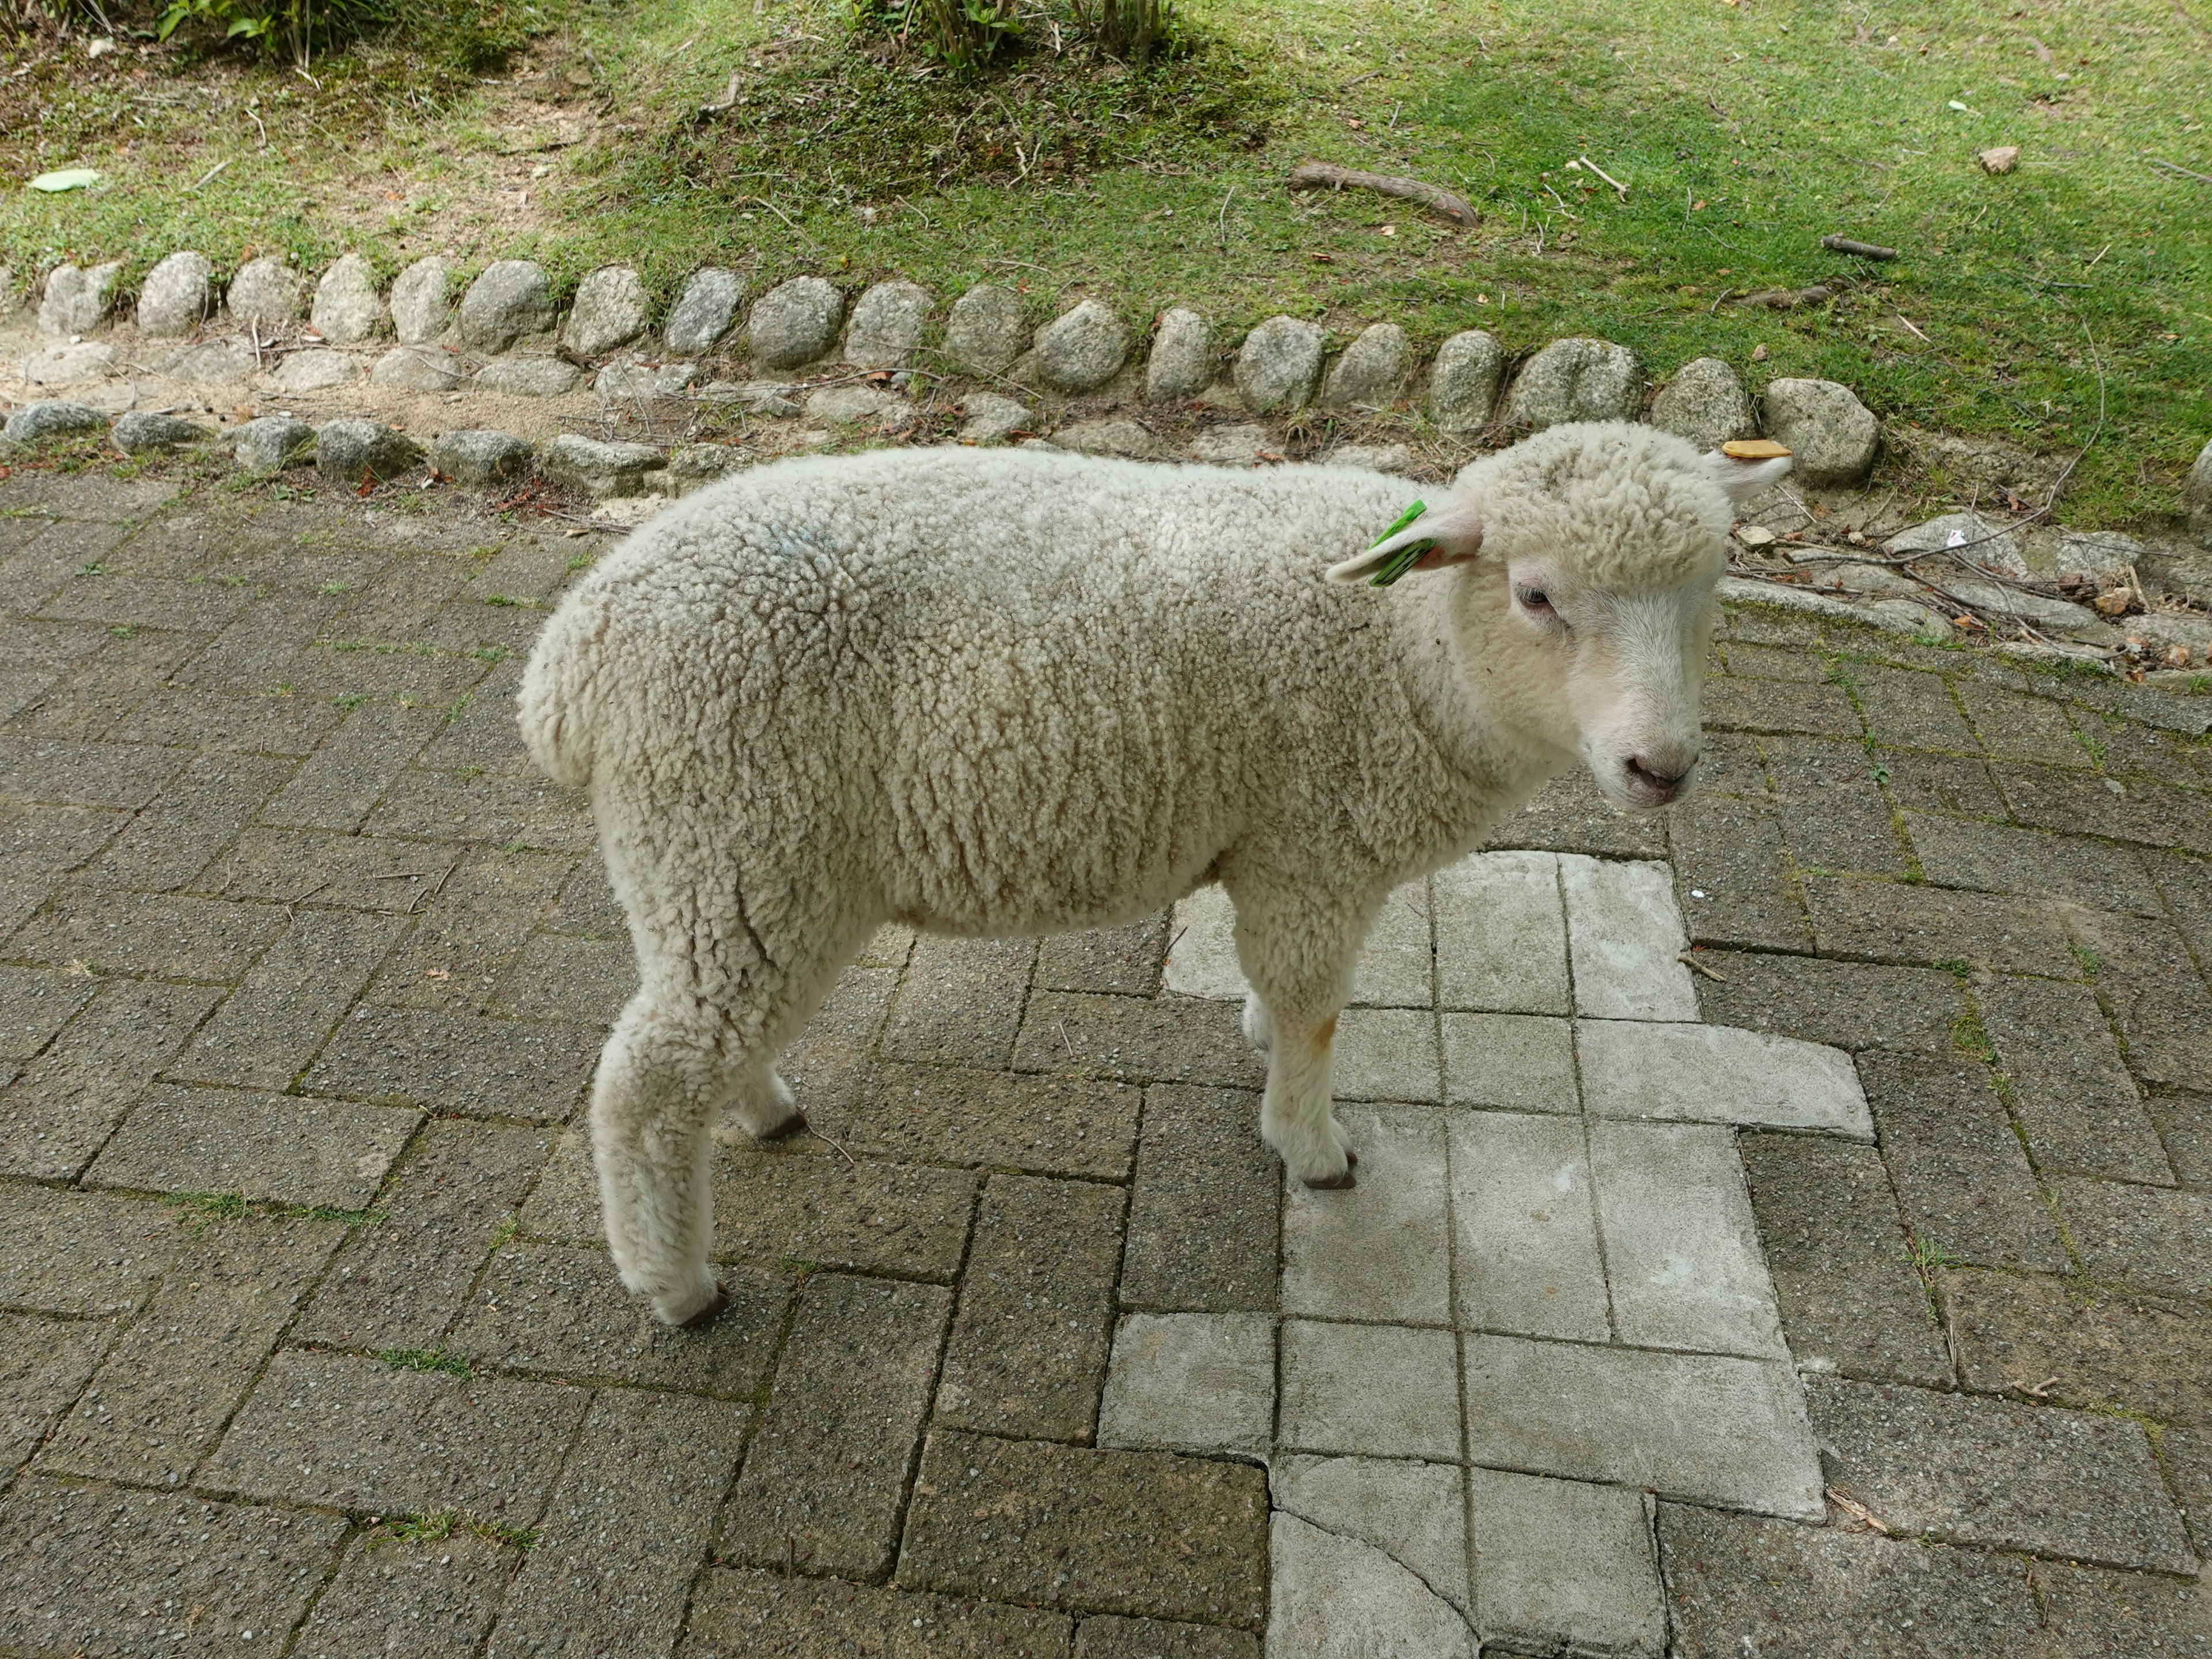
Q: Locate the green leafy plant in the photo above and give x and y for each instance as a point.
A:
(965, 35)
(1132, 30)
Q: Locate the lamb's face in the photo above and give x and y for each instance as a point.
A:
(1615, 671)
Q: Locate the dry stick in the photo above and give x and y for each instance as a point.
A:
(1221, 220)
(1603, 174)
(1327, 175)
(762, 201)
(1862, 250)
(2160, 162)
(209, 174)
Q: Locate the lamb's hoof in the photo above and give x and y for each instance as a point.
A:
(796, 1124)
(1335, 1183)
(708, 1315)
(1351, 1156)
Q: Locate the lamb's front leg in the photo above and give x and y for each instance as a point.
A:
(1298, 955)
(1296, 1115)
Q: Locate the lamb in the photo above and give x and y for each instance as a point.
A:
(1006, 692)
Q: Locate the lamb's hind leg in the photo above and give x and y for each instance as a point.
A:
(663, 1073)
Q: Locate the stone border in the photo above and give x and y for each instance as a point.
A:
(507, 333)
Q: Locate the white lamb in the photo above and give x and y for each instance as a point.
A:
(1007, 692)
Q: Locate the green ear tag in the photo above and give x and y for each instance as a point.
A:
(1406, 556)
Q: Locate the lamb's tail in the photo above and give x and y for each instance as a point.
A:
(556, 705)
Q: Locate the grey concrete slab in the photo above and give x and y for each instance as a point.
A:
(1369, 1391)
(1519, 1062)
(1328, 1585)
(83, 1254)
(1525, 1240)
(1502, 934)
(1413, 1512)
(1380, 1250)
(1717, 1074)
(1623, 937)
(1192, 1382)
(1388, 1053)
(1564, 1565)
(1681, 1252)
(1705, 1428)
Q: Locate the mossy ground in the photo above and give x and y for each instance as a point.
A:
(1744, 132)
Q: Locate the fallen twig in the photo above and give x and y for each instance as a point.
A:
(832, 1145)
(1586, 161)
(1689, 961)
(209, 174)
(1917, 334)
(1857, 1510)
(1862, 250)
(1327, 175)
(1788, 299)
(2172, 167)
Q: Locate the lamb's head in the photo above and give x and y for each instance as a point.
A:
(1588, 562)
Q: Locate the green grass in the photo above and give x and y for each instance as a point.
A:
(1062, 175)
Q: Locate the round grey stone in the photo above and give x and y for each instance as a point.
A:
(1127, 438)
(346, 307)
(78, 301)
(315, 371)
(704, 310)
(1706, 404)
(1082, 349)
(155, 434)
(985, 332)
(212, 362)
(596, 468)
(888, 326)
(992, 419)
(1183, 361)
(853, 404)
(1577, 379)
(176, 296)
(1463, 384)
(611, 309)
(1830, 433)
(50, 417)
(529, 377)
(419, 307)
(2197, 497)
(272, 443)
(633, 379)
(414, 368)
(1240, 445)
(1367, 375)
(1278, 364)
(481, 456)
(510, 300)
(265, 292)
(796, 322)
(346, 450)
(697, 465)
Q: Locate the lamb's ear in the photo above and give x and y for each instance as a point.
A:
(1455, 525)
(1745, 476)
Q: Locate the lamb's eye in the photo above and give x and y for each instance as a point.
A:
(1534, 599)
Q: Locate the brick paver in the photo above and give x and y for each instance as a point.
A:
(1898, 1188)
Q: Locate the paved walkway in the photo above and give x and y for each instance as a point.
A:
(1840, 1290)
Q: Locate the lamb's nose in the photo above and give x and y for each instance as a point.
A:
(1651, 783)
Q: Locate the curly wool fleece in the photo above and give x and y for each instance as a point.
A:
(990, 692)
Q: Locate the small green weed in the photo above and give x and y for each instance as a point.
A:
(424, 1359)
(1969, 1036)
(442, 1524)
(1928, 1256)
(125, 631)
(2090, 960)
